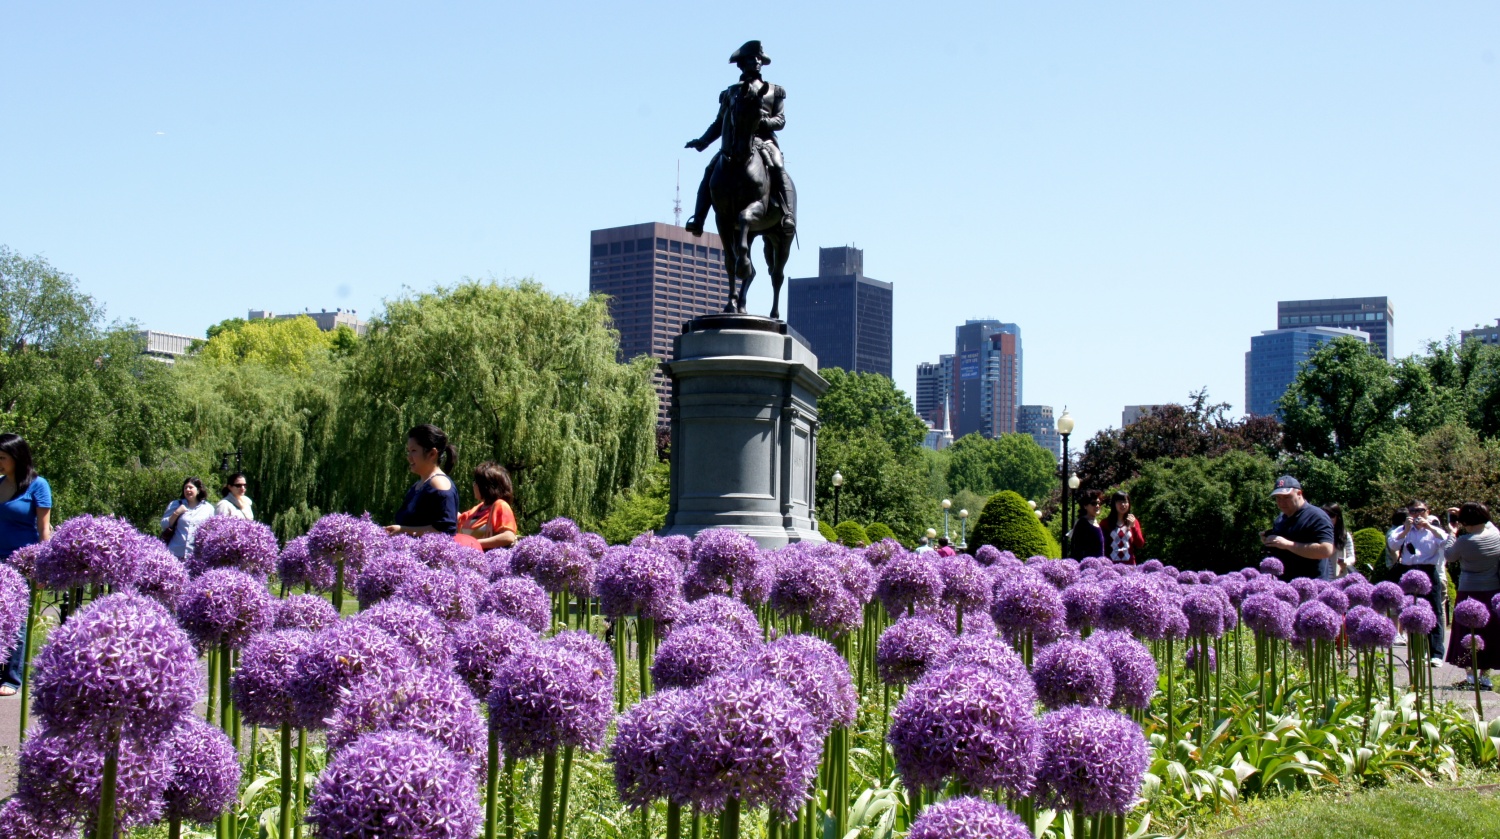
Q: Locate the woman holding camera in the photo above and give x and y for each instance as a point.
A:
(1476, 549)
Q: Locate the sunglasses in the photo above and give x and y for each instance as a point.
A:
(238, 486)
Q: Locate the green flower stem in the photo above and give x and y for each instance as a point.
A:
(31, 610)
(729, 824)
(105, 827)
(286, 781)
(562, 798)
(674, 822)
(301, 782)
(338, 583)
(213, 683)
(174, 828)
(510, 797)
(492, 783)
(549, 791)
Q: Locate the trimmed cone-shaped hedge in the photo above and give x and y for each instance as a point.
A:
(852, 534)
(878, 531)
(827, 532)
(1009, 524)
(1369, 548)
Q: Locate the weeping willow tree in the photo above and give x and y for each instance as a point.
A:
(514, 374)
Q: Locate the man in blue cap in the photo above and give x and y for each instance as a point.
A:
(1302, 536)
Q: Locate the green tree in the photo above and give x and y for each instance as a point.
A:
(640, 509)
(1369, 551)
(1200, 512)
(1009, 524)
(1010, 461)
(290, 345)
(877, 531)
(513, 374)
(851, 534)
(1343, 395)
(872, 435)
(871, 401)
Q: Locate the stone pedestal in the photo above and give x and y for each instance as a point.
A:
(744, 430)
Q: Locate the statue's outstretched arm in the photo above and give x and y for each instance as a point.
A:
(716, 129)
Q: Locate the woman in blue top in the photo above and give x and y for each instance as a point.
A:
(25, 519)
(180, 523)
(431, 505)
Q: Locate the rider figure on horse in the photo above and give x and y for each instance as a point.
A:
(749, 58)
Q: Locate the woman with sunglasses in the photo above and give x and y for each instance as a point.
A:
(235, 502)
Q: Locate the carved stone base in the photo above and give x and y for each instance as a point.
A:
(744, 430)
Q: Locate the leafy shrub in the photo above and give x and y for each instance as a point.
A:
(1009, 524)
(1201, 512)
(1369, 549)
(827, 532)
(852, 534)
(877, 531)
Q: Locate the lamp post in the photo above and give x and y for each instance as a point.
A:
(963, 530)
(1064, 428)
(946, 504)
(224, 460)
(838, 487)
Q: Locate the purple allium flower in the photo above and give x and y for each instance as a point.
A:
(967, 818)
(1495, 606)
(422, 633)
(723, 612)
(158, 574)
(679, 548)
(382, 575)
(638, 581)
(89, 550)
(395, 785)
(884, 551)
(725, 554)
(1073, 673)
(1307, 588)
(965, 583)
(497, 563)
(595, 544)
(225, 607)
(1061, 573)
(262, 686)
(1316, 621)
(547, 697)
(335, 659)
(589, 646)
(451, 596)
(248, 546)
(1190, 658)
(1082, 603)
(975, 623)
(1417, 618)
(19, 820)
(1273, 566)
(744, 738)
(989, 555)
(1134, 668)
(1269, 615)
(15, 602)
(1472, 643)
(1470, 614)
(120, 667)
(205, 773)
(1334, 599)
(693, 654)
(1359, 594)
(61, 775)
(336, 535)
(520, 599)
(1025, 602)
(1204, 607)
(481, 645)
(442, 552)
(1207, 577)
(429, 701)
(568, 567)
(24, 558)
(1093, 760)
(304, 611)
(908, 648)
(295, 567)
(991, 653)
(1369, 630)
(561, 529)
(642, 737)
(907, 582)
(859, 578)
(1136, 605)
(810, 583)
(1416, 583)
(816, 674)
(967, 723)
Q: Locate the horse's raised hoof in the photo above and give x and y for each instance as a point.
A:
(775, 314)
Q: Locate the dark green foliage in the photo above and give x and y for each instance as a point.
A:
(1010, 461)
(827, 531)
(878, 531)
(1369, 549)
(640, 509)
(1205, 513)
(851, 534)
(871, 401)
(1009, 524)
(871, 434)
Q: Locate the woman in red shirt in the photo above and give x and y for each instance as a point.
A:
(1122, 531)
(492, 523)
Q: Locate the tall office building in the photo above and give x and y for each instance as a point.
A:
(1370, 315)
(844, 315)
(1135, 413)
(986, 378)
(1274, 357)
(1037, 421)
(1482, 334)
(658, 277)
(934, 390)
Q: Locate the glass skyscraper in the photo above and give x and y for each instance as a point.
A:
(844, 315)
(1274, 357)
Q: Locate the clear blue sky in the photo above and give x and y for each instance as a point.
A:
(1135, 184)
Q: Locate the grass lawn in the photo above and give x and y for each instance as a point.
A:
(1470, 809)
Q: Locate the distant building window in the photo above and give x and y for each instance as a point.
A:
(676, 247)
(614, 247)
(1380, 315)
(601, 250)
(661, 244)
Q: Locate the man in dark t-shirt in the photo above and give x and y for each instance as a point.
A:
(1302, 536)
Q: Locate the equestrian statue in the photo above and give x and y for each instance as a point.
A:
(746, 182)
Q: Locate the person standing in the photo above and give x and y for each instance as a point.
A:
(235, 502)
(1123, 531)
(1086, 539)
(1302, 534)
(492, 522)
(1421, 542)
(25, 519)
(1476, 549)
(431, 504)
(1343, 559)
(945, 547)
(184, 514)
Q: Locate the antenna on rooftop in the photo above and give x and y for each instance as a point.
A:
(677, 202)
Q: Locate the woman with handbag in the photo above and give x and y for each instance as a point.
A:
(183, 516)
(25, 519)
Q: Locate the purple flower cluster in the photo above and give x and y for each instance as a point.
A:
(1470, 614)
(519, 599)
(262, 686)
(304, 611)
(693, 654)
(965, 583)
(1368, 629)
(643, 737)
(1273, 566)
(295, 567)
(24, 559)
(442, 552)
(561, 530)
(1387, 598)
(1316, 621)
(225, 607)
(248, 546)
(339, 537)
(638, 581)
(967, 818)
(158, 574)
(451, 596)
(882, 552)
(1073, 673)
(721, 553)
(1093, 761)
(1268, 615)
(1416, 583)
(907, 582)
(429, 701)
(1417, 618)
(483, 644)
(969, 724)
(812, 581)
(908, 648)
(724, 612)
(990, 653)
(205, 773)
(1082, 603)
(1026, 602)
(335, 659)
(1134, 668)
(61, 775)
(547, 697)
(568, 567)
(422, 633)
(382, 575)
(1190, 658)
(1135, 604)
(816, 674)
(395, 785)
(89, 550)
(15, 603)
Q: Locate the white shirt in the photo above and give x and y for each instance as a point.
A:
(226, 507)
(1418, 545)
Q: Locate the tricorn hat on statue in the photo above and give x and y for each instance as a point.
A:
(750, 48)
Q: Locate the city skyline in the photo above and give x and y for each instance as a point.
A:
(1138, 188)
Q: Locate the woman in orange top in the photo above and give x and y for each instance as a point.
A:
(491, 524)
